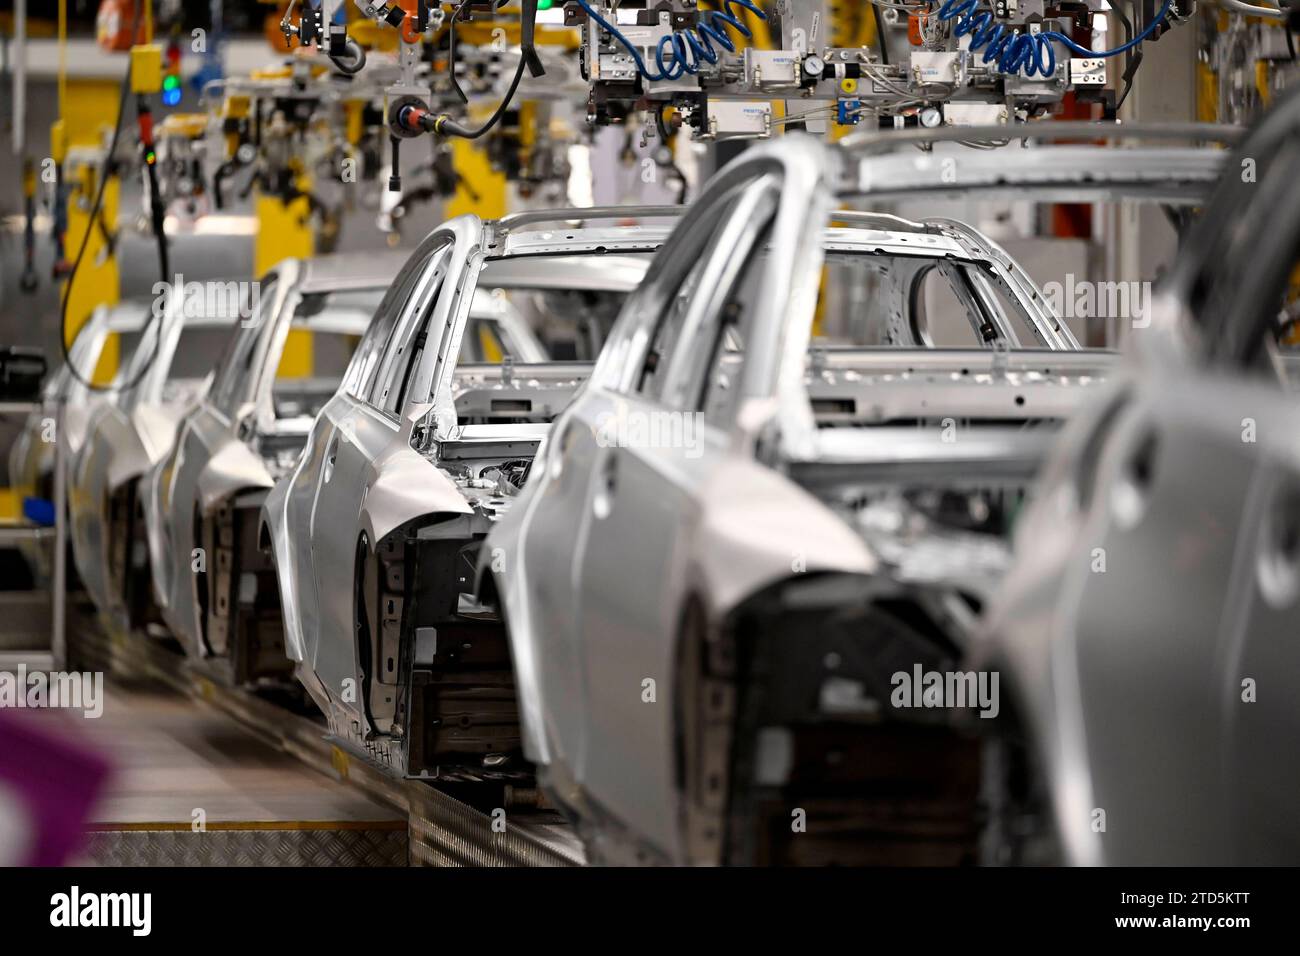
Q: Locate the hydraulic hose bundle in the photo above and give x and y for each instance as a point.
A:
(686, 51)
(1031, 53)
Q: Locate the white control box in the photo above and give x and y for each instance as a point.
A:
(766, 68)
(974, 114)
(739, 118)
(930, 67)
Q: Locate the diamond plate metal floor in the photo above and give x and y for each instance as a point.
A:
(192, 787)
(163, 703)
(326, 845)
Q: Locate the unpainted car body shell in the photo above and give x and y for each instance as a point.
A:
(214, 457)
(1147, 624)
(359, 478)
(125, 439)
(608, 548)
(1130, 694)
(32, 458)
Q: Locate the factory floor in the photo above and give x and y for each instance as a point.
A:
(196, 773)
(189, 785)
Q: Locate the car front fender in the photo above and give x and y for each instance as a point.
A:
(407, 486)
(234, 468)
(275, 532)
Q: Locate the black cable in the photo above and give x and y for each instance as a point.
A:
(1130, 67)
(682, 185)
(1290, 41)
(358, 58)
(665, 138)
(880, 35)
(158, 217)
(451, 52)
(110, 238)
(224, 171)
(446, 126)
(451, 45)
(85, 241)
(1128, 25)
(95, 211)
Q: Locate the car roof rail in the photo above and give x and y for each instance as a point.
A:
(875, 141)
(880, 220)
(533, 217)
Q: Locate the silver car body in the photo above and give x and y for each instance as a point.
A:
(124, 439)
(201, 501)
(1146, 631)
(31, 459)
(391, 450)
(236, 442)
(626, 561)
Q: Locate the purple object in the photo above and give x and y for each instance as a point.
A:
(48, 787)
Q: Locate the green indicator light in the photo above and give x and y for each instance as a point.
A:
(171, 91)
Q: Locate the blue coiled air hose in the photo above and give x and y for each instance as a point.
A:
(686, 51)
(1030, 53)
